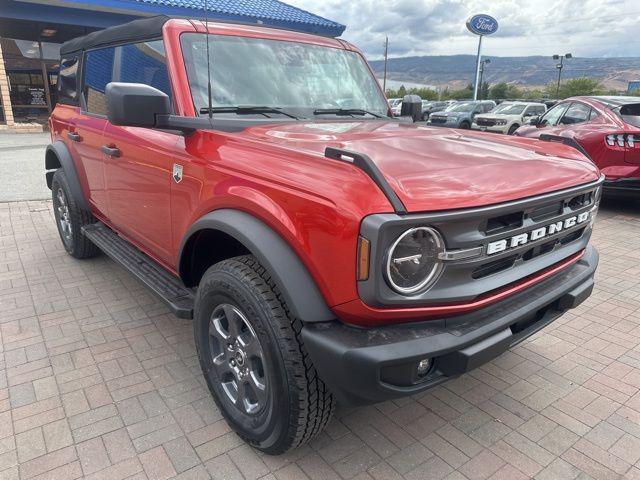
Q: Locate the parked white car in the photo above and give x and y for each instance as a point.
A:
(395, 104)
(508, 117)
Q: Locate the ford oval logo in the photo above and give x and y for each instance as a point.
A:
(482, 24)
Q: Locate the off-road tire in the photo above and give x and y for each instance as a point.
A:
(298, 404)
(512, 129)
(76, 245)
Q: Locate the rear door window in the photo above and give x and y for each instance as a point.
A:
(534, 110)
(576, 113)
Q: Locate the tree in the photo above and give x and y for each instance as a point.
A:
(499, 91)
(574, 87)
(423, 93)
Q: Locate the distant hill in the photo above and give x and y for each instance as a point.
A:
(458, 70)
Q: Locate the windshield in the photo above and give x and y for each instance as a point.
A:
(271, 73)
(462, 107)
(510, 109)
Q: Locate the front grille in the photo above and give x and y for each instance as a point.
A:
(494, 267)
(438, 119)
(485, 122)
(546, 212)
(470, 270)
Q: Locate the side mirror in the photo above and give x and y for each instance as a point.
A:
(411, 107)
(534, 120)
(135, 104)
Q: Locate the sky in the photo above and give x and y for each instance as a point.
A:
(585, 28)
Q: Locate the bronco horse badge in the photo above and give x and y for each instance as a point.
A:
(177, 172)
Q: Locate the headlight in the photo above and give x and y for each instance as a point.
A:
(501, 122)
(413, 261)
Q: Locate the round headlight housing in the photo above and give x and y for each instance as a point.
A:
(413, 261)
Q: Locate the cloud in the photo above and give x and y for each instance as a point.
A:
(598, 28)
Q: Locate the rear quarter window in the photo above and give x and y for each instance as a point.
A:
(68, 81)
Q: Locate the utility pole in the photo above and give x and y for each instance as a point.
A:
(559, 66)
(386, 51)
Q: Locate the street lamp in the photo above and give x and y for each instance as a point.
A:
(482, 64)
(559, 67)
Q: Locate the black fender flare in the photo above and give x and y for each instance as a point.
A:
(61, 152)
(296, 284)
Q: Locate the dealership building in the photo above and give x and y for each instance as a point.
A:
(31, 33)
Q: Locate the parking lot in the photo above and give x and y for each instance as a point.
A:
(98, 379)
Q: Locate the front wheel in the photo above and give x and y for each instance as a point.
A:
(70, 219)
(465, 125)
(253, 358)
(512, 129)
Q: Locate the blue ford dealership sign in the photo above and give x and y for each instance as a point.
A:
(482, 24)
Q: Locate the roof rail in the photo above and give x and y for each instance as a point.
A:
(364, 163)
(545, 137)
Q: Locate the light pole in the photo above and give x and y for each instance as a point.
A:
(559, 67)
(386, 51)
(482, 64)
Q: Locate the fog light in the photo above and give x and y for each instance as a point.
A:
(424, 366)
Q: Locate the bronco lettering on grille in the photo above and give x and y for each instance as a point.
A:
(536, 234)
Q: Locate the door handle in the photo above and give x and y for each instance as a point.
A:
(74, 136)
(111, 151)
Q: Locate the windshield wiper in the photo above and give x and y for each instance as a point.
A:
(345, 111)
(248, 110)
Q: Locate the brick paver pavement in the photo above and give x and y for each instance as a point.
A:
(97, 379)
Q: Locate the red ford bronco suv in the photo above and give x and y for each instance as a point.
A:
(255, 180)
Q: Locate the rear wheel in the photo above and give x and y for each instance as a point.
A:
(70, 219)
(253, 358)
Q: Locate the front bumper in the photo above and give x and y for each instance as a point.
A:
(493, 128)
(371, 365)
(450, 123)
(624, 187)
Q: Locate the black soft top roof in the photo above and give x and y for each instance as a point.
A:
(137, 30)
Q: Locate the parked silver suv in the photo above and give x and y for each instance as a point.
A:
(461, 114)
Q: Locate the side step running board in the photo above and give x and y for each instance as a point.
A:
(151, 273)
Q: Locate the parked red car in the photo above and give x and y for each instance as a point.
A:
(608, 128)
(254, 179)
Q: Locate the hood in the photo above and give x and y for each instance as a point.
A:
(433, 168)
